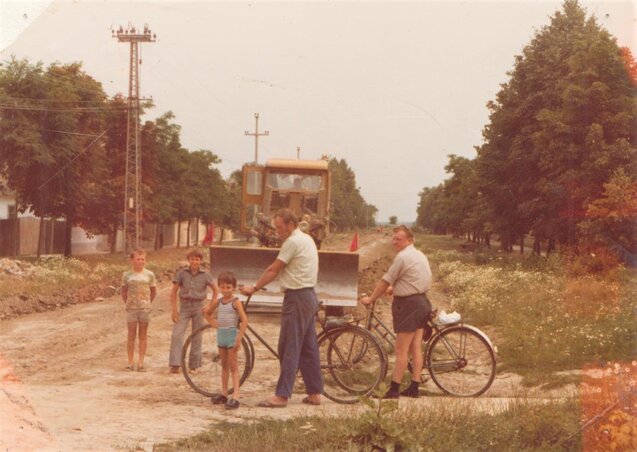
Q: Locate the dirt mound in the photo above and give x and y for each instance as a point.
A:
(15, 305)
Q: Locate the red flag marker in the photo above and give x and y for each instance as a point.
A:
(354, 245)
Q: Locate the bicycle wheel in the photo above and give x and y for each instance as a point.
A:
(461, 362)
(206, 380)
(352, 363)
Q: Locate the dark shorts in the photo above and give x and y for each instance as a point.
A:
(410, 313)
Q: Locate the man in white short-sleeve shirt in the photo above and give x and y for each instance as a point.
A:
(296, 266)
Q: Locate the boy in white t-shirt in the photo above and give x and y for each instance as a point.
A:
(139, 288)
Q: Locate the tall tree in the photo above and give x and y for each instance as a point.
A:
(348, 209)
(559, 128)
(51, 146)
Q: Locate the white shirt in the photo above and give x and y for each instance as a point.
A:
(300, 257)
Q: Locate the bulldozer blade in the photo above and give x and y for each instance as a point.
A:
(337, 278)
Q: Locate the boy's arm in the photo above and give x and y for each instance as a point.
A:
(215, 291)
(209, 310)
(243, 319)
(153, 293)
(173, 302)
(124, 293)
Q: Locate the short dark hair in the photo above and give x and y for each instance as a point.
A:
(287, 216)
(195, 252)
(137, 252)
(408, 232)
(227, 278)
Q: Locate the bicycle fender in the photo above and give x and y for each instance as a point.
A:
(474, 329)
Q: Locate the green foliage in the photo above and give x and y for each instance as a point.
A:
(393, 219)
(348, 208)
(559, 129)
(377, 428)
(546, 319)
(50, 151)
(444, 425)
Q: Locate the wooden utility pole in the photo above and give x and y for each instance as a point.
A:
(133, 175)
(298, 152)
(256, 136)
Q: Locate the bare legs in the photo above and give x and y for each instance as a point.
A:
(130, 343)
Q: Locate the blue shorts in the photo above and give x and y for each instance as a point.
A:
(226, 337)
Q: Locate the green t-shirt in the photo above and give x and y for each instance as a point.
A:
(138, 285)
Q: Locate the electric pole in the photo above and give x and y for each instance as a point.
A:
(298, 152)
(133, 176)
(256, 135)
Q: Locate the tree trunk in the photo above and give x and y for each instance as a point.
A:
(221, 236)
(68, 227)
(522, 245)
(179, 233)
(197, 231)
(188, 242)
(487, 240)
(51, 242)
(158, 227)
(537, 246)
(550, 247)
(41, 236)
(112, 237)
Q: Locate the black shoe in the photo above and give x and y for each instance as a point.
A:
(232, 404)
(391, 394)
(411, 391)
(218, 399)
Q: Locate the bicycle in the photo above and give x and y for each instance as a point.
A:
(459, 357)
(353, 362)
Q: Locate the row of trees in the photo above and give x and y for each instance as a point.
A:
(558, 161)
(63, 148)
(349, 209)
(62, 152)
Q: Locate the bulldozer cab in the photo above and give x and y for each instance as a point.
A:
(299, 185)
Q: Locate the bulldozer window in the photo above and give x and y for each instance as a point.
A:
(254, 182)
(285, 181)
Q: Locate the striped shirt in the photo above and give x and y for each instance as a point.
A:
(227, 315)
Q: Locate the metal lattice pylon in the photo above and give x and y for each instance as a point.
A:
(132, 180)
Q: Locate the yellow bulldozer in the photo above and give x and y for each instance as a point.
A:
(303, 186)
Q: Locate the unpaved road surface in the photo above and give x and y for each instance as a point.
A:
(63, 385)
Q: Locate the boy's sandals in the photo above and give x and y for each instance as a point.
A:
(192, 371)
(129, 368)
(218, 399)
(232, 404)
(308, 401)
(141, 369)
(174, 369)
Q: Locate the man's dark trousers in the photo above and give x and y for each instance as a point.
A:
(298, 346)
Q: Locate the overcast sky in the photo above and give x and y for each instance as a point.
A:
(393, 88)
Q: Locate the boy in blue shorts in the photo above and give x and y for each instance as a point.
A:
(231, 324)
(139, 289)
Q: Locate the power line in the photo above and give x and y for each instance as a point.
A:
(72, 160)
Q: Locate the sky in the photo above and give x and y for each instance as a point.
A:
(391, 87)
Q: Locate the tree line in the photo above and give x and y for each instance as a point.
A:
(63, 153)
(558, 159)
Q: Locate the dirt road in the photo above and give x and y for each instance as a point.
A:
(63, 385)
